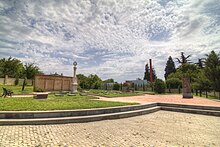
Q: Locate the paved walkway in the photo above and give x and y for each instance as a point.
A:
(172, 98)
(161, 128)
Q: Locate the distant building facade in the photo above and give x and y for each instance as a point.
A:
(138, 84)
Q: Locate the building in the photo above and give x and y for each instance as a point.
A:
(138, 84)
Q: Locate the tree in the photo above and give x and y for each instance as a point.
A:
(170, 67)
(159, 86)
(109, 81)
(186, 69)
(154, 74)
(200, 63)
(116, 86)
(147, 73)
(172, 83)
(183, 59)
(29, 71)
(94, 81)
(11, 67)
(83, 81)
(212, 70)
(201, 83)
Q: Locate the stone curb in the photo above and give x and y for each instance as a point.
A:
(88, 115)
(69, 113)
(78, 119)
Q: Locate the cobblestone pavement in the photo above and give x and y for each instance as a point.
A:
(161, 128)
(168, 98)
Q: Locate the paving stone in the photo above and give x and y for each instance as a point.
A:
(161, 128)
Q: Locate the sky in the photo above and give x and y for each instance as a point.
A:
(110, 38)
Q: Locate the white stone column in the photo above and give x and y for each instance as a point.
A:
(74, 82)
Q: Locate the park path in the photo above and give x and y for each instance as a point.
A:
(168, 98)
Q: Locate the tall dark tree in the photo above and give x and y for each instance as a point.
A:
(154, 74)
(183, 59)
(147, 73)
(170, 67)
(212, 70)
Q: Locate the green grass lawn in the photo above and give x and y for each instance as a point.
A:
(17, 89)
(55, 103)
(112, 93)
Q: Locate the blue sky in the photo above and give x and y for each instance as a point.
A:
(114, 39)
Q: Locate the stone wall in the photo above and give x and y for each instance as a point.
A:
(11, 81)
(52, 83)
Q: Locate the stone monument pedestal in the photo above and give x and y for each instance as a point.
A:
(186, 88)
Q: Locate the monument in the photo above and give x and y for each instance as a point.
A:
(74, 83)
(186, 88)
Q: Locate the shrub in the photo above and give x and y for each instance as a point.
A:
(159, 86)
(116, 86)
(173, 83)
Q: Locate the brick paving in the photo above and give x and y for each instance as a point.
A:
(161, 128)
(172, 98)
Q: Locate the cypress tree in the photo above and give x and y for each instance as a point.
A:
(170, 67)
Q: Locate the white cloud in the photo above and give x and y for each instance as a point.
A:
(113, 39)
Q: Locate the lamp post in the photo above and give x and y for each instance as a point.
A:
(74, 84)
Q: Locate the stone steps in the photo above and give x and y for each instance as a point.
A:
(88, 115)
(78, 119)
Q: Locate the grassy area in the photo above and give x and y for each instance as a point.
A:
(112, 93)
(209, 96)
(17, 89)
(55, 103)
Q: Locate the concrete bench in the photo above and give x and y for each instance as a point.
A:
(41, 95)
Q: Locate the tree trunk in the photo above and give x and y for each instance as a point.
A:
(24, 83)
(206, 94)
(200, 93)
(196, 92)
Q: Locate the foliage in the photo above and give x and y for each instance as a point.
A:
(108, 81)
(30, 70)
(212, 70)
(183, 59)
(90, 82)
(201, 82)
(116, 86)
(159, 86)
(188, 70)
(11, 67)
(173, 83)
(170, 67)
(147, 73)
(14, 68)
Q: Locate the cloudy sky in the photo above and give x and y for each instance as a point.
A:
(111, 38)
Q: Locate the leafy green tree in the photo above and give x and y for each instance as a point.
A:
(109, 81)
(29, 71)
(94, 81)
(173, 83)
(212, 70)
(11, 67)
(170, 67)
(159, 86)
(201, 83)
(83, 81)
